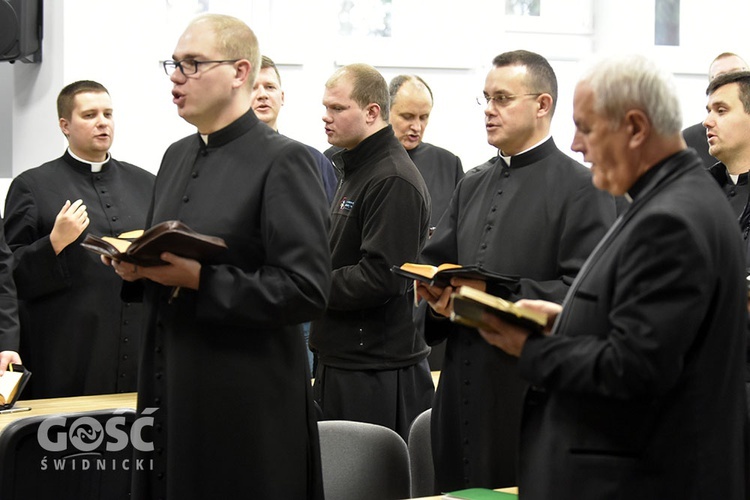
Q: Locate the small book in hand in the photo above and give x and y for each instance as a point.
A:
(144, 248)
(470, 303)
(11, 384)
(441, 275)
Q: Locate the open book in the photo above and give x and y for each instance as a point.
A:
(11, 384)
(442, 274)
(470, 303)
(143, 248)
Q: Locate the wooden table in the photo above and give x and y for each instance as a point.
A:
(68, 405)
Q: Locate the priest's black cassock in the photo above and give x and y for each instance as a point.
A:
(77, 336)
(537, 220)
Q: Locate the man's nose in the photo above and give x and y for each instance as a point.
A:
(177, 76)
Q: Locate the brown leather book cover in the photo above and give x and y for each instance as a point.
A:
(169, 236)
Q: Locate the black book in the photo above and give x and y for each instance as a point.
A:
(469, 304)
(441, 275)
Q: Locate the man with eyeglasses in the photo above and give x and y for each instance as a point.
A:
(224, 359)
(77, 336)
(533, 215)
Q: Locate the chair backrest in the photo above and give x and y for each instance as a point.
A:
(363, 461)
(420, 456)
(81, 456)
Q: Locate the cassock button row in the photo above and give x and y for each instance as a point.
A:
(114, 219)
(158, 375)
(125, 357)
(157, 401)
(506, 173)
(467, 382)
(466, 401)
(157, 349)
(194, 175)
(185, 199)
(126, 340)
(466, 460)
(122, 375)
(467, 362)
(108, 205)
(125, 322)
(484, 246)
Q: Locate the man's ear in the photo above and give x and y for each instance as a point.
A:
(544, 101)
(638, 126)
(372, 112)
(243, 69)
(64, 126)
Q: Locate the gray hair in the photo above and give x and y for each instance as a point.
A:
(623, 83)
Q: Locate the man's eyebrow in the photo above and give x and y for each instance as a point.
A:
(186, 56)
(713, 104)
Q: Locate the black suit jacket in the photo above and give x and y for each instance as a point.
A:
(639, 392)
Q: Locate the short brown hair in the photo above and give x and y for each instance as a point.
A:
(69, 92)
(267, 62)
(741, 78)
(234, 39)
(368, 84)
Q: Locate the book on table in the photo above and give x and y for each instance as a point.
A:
(479, 494)
(12, 383)
(441, 275)
(144, 248)
(469, 304)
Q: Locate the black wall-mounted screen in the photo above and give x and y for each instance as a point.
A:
(21, 30)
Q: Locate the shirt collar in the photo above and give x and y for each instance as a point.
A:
(95, 166)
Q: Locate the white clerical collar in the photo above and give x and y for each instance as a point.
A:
(95, 166)
(734, 177)
(506, 159)
(205, 139)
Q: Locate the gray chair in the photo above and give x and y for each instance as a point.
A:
(420, 457)
(363, 461)
(28, 469)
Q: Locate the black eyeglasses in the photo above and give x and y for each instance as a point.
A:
(502, 100)
(189, 67)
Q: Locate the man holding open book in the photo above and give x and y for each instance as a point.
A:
(638, 390)
(224, 359)
(531, 215)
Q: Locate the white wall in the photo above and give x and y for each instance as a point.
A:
(450, 44)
